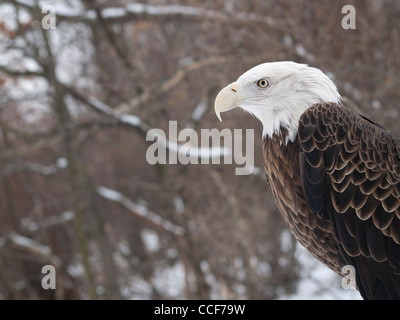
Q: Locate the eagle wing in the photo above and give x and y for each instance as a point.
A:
(350, 169)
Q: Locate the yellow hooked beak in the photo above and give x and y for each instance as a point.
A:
(227, 99)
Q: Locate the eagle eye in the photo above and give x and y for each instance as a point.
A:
(263, 83)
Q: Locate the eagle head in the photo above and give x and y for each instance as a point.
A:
(277, 93)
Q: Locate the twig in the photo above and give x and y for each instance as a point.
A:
(36, 167)
(20, 150)
(18, 73)
(140, 211)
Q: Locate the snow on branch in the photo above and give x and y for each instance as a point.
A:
(33, 226)
(137, 123)
(140, 211)
(12, 168)
(132, 11)
(20, 73)
(31, 246)
(199, 111)
(128, 119)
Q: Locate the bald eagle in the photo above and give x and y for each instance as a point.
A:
(334, 174)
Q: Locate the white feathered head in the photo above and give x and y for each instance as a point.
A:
(277, 93)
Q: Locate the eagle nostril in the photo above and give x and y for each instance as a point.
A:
(233, 90)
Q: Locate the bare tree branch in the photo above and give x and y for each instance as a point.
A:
(136, 123)
(51, 221)
(133, 11)
(34, 146)
(17, 73)
(48, 170)
(140, 211)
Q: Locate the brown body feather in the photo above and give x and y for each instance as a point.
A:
(313, 232)
(338, 188)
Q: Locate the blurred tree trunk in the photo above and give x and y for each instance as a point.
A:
(72, 155)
